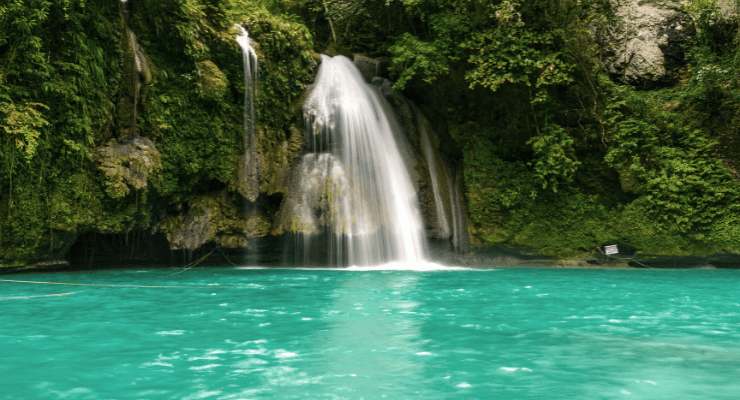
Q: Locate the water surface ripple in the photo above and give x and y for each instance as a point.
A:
(296, 334)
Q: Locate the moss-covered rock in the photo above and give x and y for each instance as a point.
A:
(136, 72)
(195, 228)
(127, 166)
(214, 219)
(212, 82)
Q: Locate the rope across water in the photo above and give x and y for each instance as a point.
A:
(129, 286)
(106, 285)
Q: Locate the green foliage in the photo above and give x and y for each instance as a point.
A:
(22, 53)
(198, 132)
(58, 74)
(22, 125)
(494, 186)
(212, 82)
(557, 158)
(712, 94)
(60, 78)
(512, 53)
(507, 207)
(656, 178)
(715, 29)
(345, 25)
(554, 158)
(413, 58)
(686, 187)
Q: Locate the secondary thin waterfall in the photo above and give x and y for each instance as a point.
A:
(446, 189)
(438, 176)
(249, 178)
(353, 181)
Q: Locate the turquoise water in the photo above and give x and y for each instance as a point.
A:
(296, 334)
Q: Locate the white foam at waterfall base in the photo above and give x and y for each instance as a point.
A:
(374, 219)
(392, 266)
(400, 266)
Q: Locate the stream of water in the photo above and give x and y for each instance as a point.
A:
(249, 170)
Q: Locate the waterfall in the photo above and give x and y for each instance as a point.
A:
(459, 216)
(353, 182)
(249, 172)
(436, 168)
(446, 188)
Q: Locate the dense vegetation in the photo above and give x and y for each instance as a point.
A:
(560, 155)
(61, 82)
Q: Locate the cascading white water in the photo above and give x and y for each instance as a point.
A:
(249, 176)
(437, 175)
(354, 178)
(446, 188)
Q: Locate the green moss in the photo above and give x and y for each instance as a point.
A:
(127, 166)
(212, 82)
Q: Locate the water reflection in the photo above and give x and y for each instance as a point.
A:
(372, 344)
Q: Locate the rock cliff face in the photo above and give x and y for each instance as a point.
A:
(647, 44)
(136, 72)
(370, 67)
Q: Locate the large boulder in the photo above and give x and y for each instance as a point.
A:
(318, 197)
(370, 67)
(127, 166)
(646, 45)
(214, 219)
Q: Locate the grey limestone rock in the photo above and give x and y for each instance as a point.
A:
(370, 67)
(646, 45)
(127, 166)
(217, 219)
